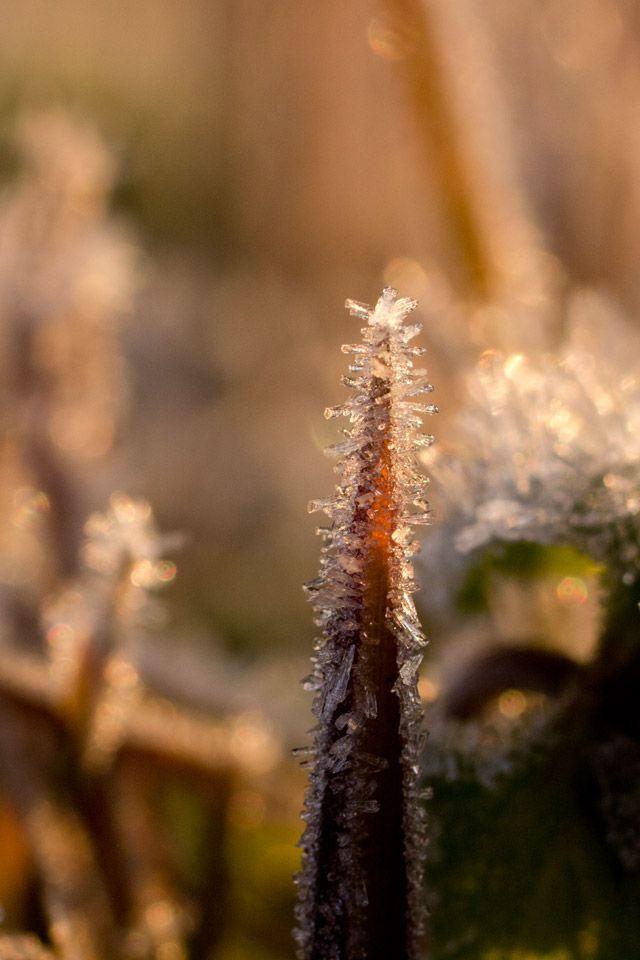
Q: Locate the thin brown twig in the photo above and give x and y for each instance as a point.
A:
(467, 144)
(79, 916)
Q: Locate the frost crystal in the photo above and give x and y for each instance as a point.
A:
(549, 449)
(363, 848)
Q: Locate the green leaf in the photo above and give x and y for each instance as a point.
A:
(520, 559)
(523, 871)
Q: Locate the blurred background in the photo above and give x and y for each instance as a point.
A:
(189, 192)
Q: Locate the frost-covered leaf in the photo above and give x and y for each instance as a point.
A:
(363, 849)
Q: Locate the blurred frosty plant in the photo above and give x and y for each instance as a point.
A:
(548, 449)
(66, 279)
(547, 455)
(89, 746)
(86, 746)
(363, 848)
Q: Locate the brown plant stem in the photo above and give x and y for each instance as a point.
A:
(384, 858)
(430, 98)
(76, 904)
(376, 663)
(156, 922)
(465, 139)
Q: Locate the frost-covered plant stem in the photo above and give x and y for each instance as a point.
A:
(361, 883)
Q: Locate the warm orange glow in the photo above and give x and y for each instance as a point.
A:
(512, 703)
(428, 689)
(406, 273)
(386, 42)
(381, 513)
(30, 506)
(572, 590)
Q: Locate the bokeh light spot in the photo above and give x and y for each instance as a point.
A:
(126, 510)
(572, 590)
(428, 689)
(386, 42)
(512, 703)
(405, 274)
(165, 571)
(61, 635)
(30, 507)
(513, 365)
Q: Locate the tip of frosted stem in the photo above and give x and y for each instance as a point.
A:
(387, 309)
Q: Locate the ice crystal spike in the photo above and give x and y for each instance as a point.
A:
(360, 890)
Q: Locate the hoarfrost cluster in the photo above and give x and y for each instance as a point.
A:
(548, 449)
(67, 277)
(104, 614)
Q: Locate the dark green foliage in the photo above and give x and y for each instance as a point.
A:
(521, 559)
(525, 872)
(543, 861)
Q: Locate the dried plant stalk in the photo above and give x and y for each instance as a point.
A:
(467, 141)
(157, 922)
(21, 947)
(361, 882)
(79, 916)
